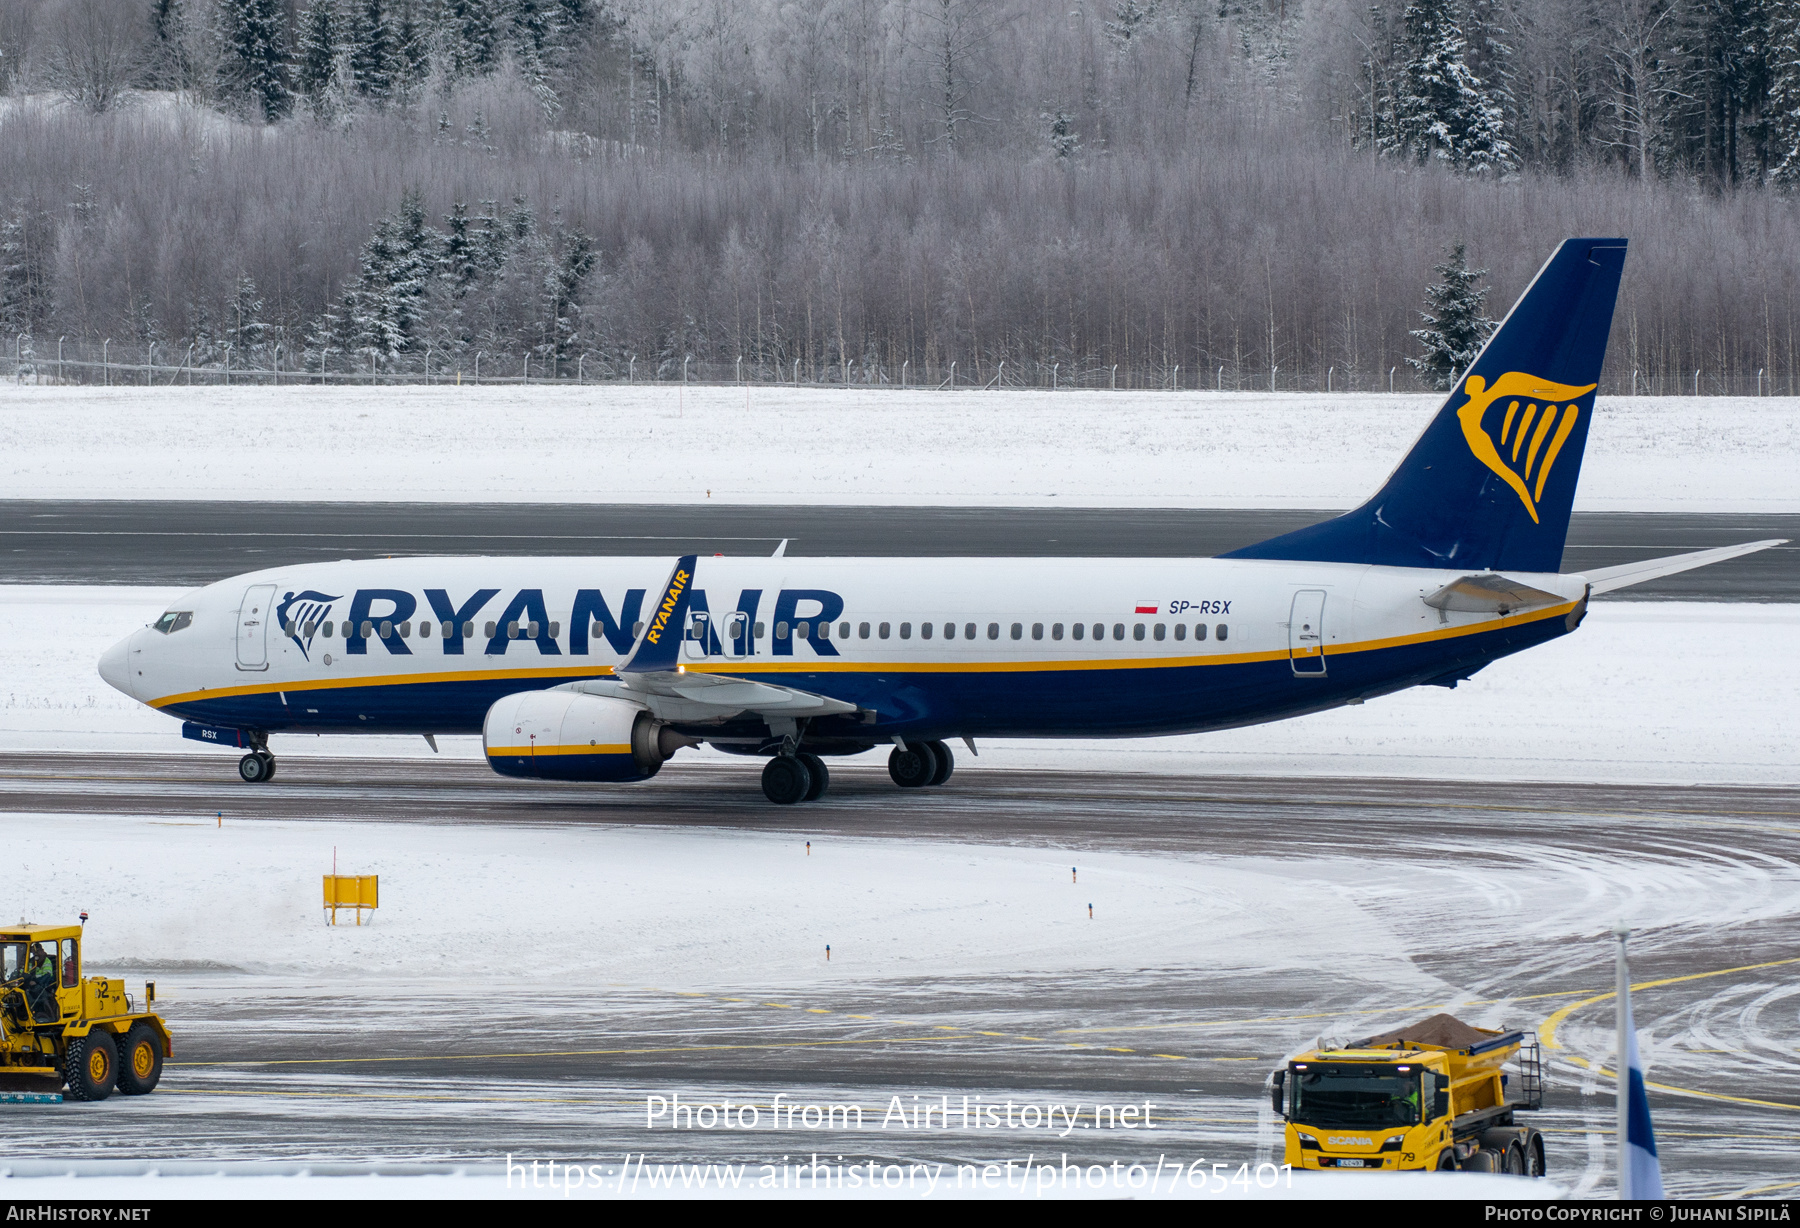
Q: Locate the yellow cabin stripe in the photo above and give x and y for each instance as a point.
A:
(608, 748)
(764, 665)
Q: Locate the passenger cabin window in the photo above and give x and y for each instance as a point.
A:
(425, 630)
(1220, 632)
(1181, 631)
(173, 621)
(1161, 631)
(1118, 631)
(862, 631)
(802, 631)
(1037, 631)
(1056, 631)
(637, 628)
(883, 630)
(1018, 631)
(844, 631)
(761, 630)
(490, 630)
(468, 630)
(1137, 631)
(968, 631)
(781, 630)
(1080, 630)
(1099, 631)
(1199, 631)
(327, 630)
(924, 630)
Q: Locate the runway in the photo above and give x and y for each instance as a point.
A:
(135, 542)
(1493, 889)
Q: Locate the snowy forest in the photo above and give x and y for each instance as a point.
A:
(1147, 193)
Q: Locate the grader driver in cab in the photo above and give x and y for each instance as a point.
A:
(58, 1028)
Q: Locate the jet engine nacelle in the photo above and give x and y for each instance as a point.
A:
(563, 735)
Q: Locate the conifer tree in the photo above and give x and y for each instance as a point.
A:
(253, 60)
(1455, 328)
(247, 326)
(316, 54)
(1784, 96)
(374, 50)
(1442, 109)
(471, 36)
(383, 311)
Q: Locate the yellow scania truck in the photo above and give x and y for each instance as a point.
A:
(1436, 1095)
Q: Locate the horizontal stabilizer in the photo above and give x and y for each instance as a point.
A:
(1606, 579)
(1489, 594)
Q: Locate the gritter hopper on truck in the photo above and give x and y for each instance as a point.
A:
(1436, 1095)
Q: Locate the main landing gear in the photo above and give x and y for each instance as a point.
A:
(919, 764)
(800, 777)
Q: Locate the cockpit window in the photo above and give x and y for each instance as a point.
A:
(173, 621)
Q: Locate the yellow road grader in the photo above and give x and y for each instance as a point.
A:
(58, 1028)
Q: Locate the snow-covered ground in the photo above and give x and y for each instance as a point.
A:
(1652, 691)
(667, 444)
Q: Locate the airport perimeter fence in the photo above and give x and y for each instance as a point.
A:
(106, 365)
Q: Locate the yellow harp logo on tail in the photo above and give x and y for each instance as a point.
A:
(1535, 422)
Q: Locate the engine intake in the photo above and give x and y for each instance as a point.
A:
(562, 735)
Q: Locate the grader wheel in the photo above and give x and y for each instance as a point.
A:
(91, 1066)
(141, 1061)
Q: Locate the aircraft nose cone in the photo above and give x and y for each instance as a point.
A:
(115, 666)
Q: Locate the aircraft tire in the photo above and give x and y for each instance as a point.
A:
(254, 768)
(946, 763)
(786, 781)
(821, 776)
(140, 1061)
(268, 765)
(913, 767)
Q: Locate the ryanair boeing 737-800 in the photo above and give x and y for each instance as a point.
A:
(599, 669)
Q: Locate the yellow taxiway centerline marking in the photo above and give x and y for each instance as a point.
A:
(1547, 1033)
(477, 1057)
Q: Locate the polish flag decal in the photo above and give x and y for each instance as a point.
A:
(1146, 609)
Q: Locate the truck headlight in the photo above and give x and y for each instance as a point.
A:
(1394, 1143)
(1307, 1141)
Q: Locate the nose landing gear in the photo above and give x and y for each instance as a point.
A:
(257, 766)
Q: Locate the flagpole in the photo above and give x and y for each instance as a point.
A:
(1621, 1067)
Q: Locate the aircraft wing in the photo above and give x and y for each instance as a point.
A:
(681, 696)
(1606, 579)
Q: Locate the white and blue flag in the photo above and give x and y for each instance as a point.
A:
(1640, 1175)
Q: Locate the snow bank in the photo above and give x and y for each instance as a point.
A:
(659, 444)
(1652, 691)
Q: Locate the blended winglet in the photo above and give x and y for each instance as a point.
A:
(659, 647)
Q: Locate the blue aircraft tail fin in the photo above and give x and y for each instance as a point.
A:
(1491, 481)
(659, 647)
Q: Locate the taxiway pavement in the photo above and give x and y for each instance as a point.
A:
(513, 1059)
(148, 542)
